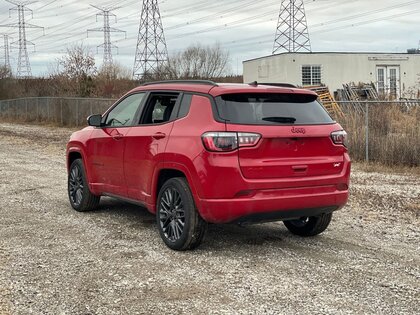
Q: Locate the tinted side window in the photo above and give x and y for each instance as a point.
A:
(271, 109)
(159, 108)
(123, 114)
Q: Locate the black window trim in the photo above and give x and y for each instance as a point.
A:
(174, 114)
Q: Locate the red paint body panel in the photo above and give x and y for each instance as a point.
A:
(284, 171)
(143, 153)
(105, 150)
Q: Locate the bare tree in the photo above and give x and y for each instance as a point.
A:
(196, 62)
(77, 68)
(77, 63)
(114, 71)
(5, 72)
(113, 79)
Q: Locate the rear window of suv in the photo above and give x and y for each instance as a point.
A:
(271, 109)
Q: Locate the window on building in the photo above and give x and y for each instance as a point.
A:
(381, 80)
(388, 80)
(311, 75)
(393, 82)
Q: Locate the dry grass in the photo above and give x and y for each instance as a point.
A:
(376, 167)
(394, 135)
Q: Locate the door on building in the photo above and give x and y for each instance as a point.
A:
(388, 81)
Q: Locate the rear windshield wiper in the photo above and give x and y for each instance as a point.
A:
(284, 120)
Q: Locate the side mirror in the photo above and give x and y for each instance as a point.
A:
(95, 120)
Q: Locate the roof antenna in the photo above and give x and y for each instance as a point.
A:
(255, 83)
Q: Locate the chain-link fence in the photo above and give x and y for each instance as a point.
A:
(381, 131)
(385, 132)
(63, 111)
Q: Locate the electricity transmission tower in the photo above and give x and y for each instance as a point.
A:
(292, 30)
(107, 30)
(6, 51)
(151, 51)
(24, 67)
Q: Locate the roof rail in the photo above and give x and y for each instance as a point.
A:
(288, 85)
(204, 82)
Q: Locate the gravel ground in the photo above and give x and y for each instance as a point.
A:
(54, 260)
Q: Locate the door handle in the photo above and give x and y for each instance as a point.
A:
(118, 136)
(159, 135)
(300, 168)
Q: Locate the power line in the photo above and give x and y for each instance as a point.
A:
(47, 4)
(217, 27)
(248, 41)
(218, 14)
(244, 41)
(224, 13)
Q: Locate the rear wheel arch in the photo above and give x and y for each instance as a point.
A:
(164, 174)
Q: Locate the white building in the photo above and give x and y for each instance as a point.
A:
(397, 74)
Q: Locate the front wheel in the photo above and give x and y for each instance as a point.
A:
(81, 199)
(180, 225)
(309, 226)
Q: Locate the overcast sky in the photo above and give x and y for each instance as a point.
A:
(245, 28)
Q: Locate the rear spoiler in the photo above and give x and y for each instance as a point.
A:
(287, 85)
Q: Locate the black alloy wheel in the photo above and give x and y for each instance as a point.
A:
(171, 214)
(180, 225)
(76, 185)
(81, 198)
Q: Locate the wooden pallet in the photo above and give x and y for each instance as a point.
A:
(327, 100)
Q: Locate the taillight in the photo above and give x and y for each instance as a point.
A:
(339, 137)
(229, 141)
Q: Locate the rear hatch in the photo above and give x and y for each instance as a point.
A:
(295, 135)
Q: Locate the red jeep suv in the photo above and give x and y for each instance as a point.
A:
(197, 152)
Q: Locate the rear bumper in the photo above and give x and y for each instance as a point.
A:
(274, 204)
(272, 200)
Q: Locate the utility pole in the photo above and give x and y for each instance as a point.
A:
(6, 51)
(106, 29)
(24, 67)
(292, 30)
(151, 50)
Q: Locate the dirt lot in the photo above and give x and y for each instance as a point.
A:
(54, 260)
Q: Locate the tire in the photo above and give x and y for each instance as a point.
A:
(81, 199)
(309, 226)
(180, 225)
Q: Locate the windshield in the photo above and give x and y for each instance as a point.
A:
(271, 109)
